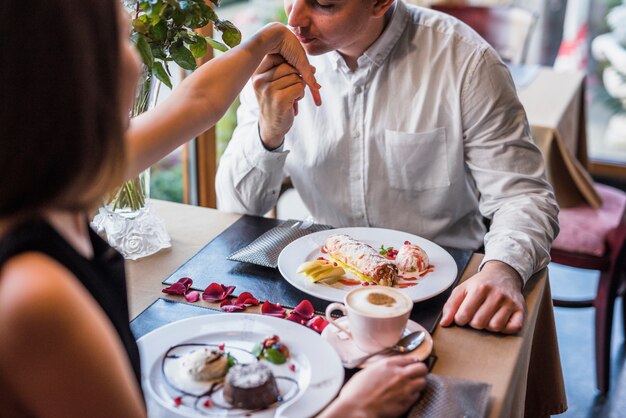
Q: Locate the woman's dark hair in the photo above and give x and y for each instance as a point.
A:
(61, 133)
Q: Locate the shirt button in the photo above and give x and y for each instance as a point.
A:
(357, 89)
(355, 134)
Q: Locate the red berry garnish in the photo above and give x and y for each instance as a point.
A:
(321, 258)
(407, 243)
(335, 264)
(374, 283)
(221, 346)
(178, 400)
(208, 403)
(292, 367)
(365, 284)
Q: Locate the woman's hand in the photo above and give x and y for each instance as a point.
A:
(287, 45)
(386, 388)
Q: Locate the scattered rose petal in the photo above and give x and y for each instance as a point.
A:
(317, 324)
(180, 287)
(216, 292)
(247, 299)
(273, 309)
(229, 305)
(192, 296)
(296, 317)
(305, 309)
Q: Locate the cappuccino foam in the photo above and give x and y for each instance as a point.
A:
(379, 302)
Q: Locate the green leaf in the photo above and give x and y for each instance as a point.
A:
(230, 360)
(257, 350)
(159, 31)
(199, 47)
(275, 356)
(183, 57)
(230, 34)
(140, 26)
(142, 45)
(159, 71)
(216, 45)
(154, 11)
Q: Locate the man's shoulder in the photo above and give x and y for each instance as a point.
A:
(442, 28)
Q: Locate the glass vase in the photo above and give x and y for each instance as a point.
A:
(127, 220)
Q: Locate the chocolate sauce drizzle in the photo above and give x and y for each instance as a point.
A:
(216, 387)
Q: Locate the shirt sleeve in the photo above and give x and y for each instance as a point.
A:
(249, 176)
(507, 168)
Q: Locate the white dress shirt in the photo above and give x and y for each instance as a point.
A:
(426, 136)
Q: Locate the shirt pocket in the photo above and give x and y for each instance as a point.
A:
(416, 161)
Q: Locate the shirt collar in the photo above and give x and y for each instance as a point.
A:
(379, 50)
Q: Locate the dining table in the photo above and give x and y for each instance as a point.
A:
(523, 370)
(555, 106)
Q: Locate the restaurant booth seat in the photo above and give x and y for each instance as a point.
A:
(594, 239)
(506, 28)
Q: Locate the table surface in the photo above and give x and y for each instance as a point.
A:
(501, 361)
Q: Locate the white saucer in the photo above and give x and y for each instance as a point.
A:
(347, 350)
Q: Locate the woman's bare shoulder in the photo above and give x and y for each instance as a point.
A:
(38, 296)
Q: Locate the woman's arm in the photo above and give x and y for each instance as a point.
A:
(203, 97)
(58, 351)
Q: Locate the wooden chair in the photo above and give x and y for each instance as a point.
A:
(594, 239)
(506, 28)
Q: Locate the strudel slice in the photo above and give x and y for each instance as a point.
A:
(362, 260)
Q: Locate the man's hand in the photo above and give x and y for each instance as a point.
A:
(491, 299)
(278, 87)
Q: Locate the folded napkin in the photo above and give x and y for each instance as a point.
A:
(264, 250)
(446, 396)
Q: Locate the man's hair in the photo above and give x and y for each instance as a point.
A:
(61, 128)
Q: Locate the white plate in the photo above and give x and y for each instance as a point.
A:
(347, 350)
(309, 248)
(318, 370)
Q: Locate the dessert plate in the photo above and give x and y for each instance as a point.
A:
(347, 350)
(309, 248)
(309, 379)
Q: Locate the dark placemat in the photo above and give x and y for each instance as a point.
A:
(162, 312)
(211, 264)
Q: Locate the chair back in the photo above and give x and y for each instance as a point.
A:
(506, 28)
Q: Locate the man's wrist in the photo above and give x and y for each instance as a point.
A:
(265, 145)
(501, 266)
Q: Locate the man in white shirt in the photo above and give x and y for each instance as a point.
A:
(420, 130)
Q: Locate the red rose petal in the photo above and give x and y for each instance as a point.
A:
(231, 306)
(273, 309)
(216, 292)
(192, 296)
(247, 299)
(296, 317)
(305, 309)
(175, 289)
(317, 324)
(186, 281)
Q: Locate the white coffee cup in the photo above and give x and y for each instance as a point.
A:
(377, 316)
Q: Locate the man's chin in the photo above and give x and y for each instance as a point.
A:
(312, 49)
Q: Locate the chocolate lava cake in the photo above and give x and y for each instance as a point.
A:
(250, 386)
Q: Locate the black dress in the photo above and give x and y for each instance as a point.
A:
(103, 276)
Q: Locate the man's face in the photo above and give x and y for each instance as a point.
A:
(329, 25)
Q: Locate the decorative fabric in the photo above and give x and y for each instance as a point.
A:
(264, 250)
(447, 396)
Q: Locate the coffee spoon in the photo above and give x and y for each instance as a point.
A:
(405, 345)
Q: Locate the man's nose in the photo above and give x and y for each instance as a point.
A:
(297, 13)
